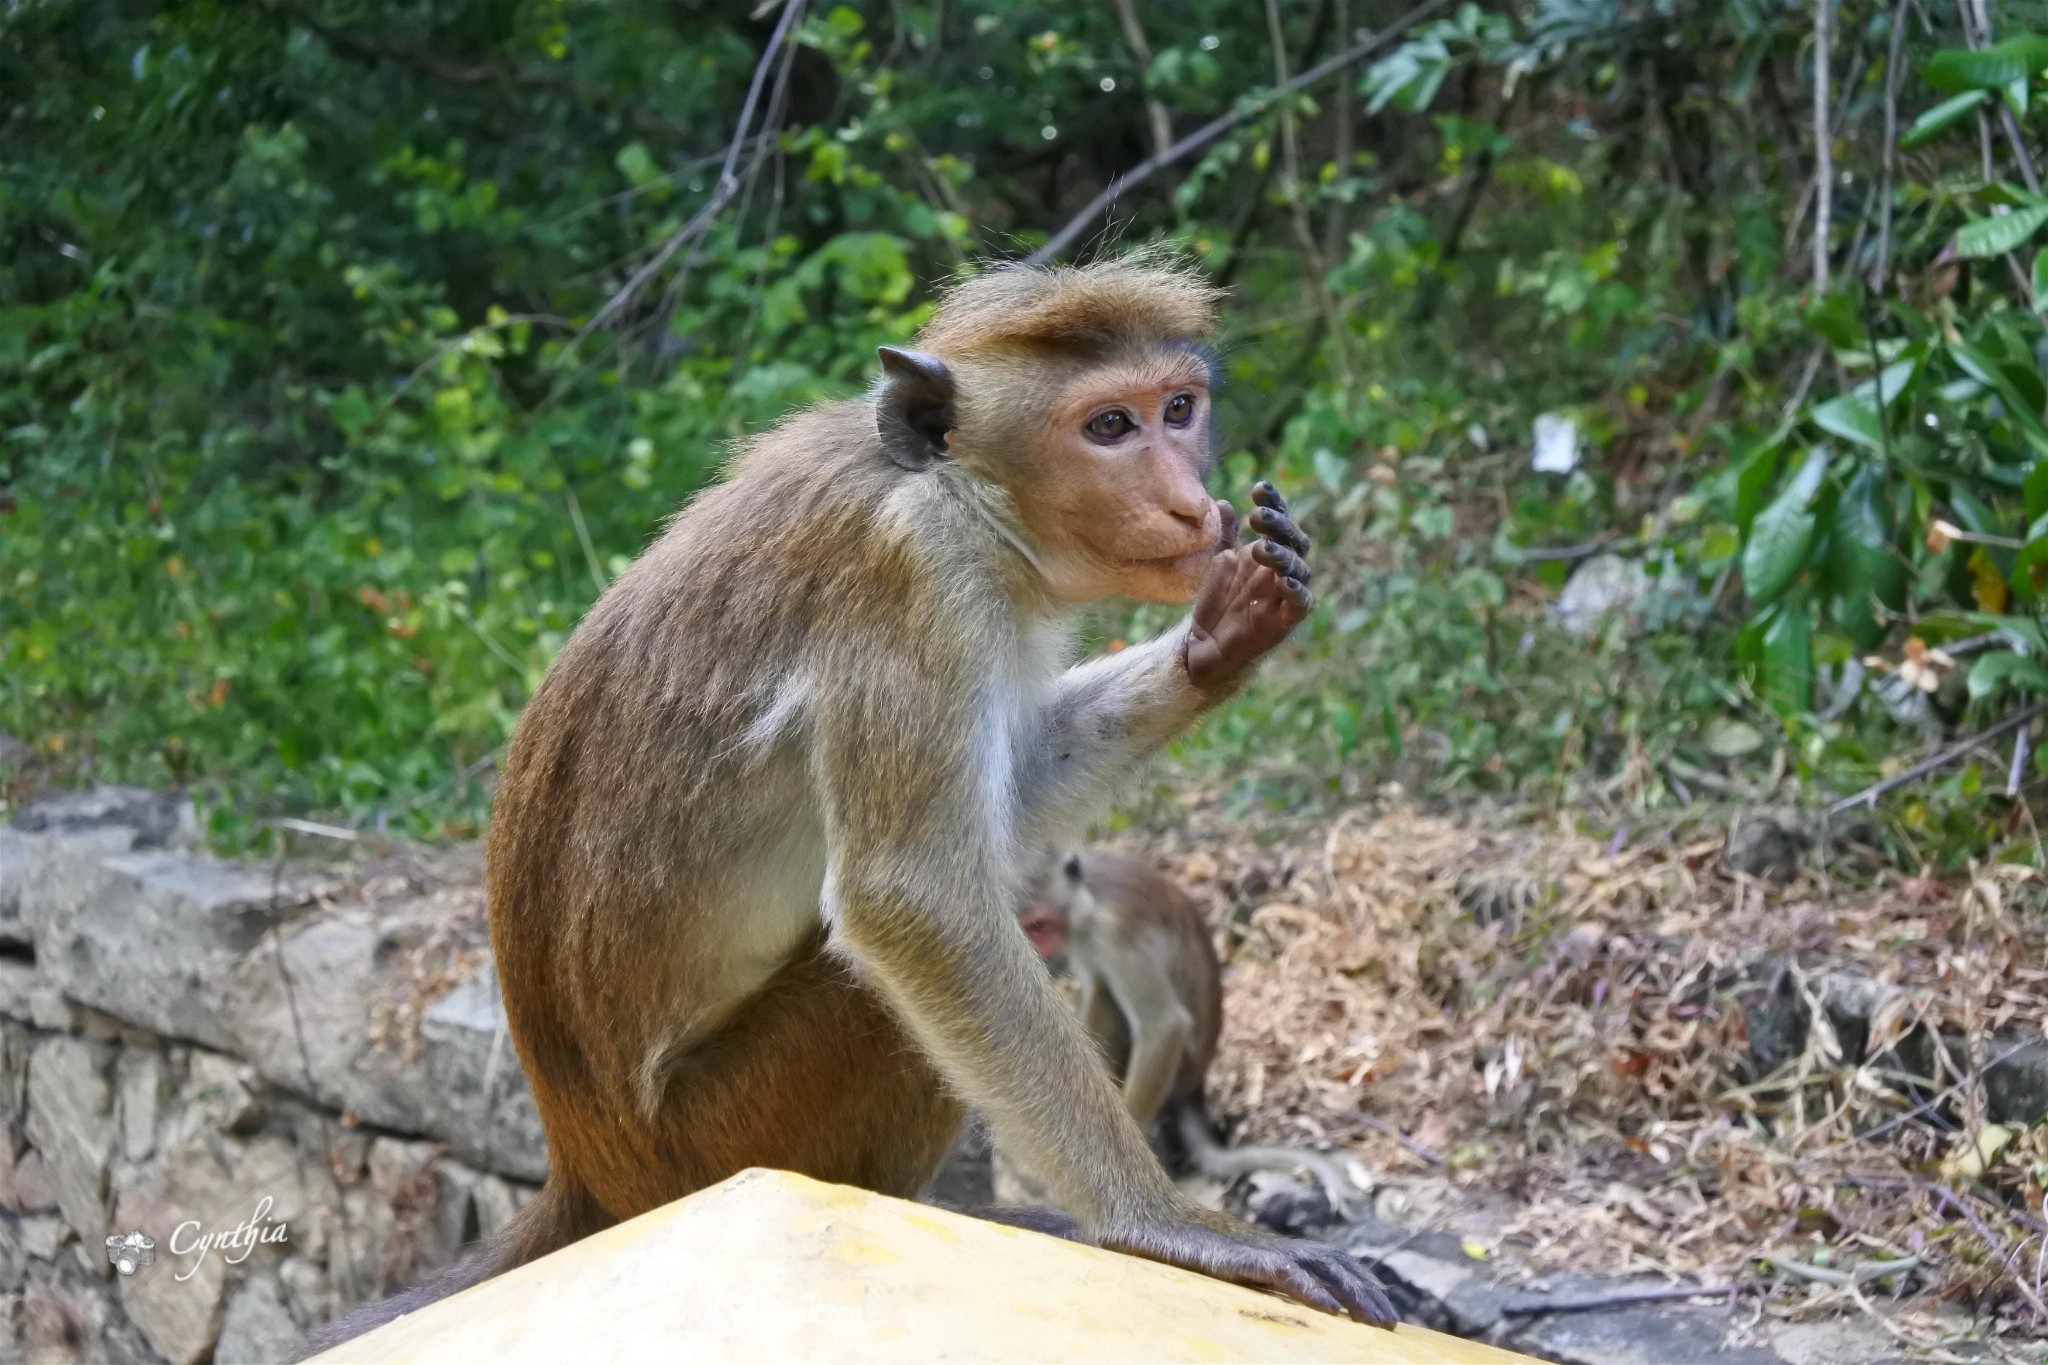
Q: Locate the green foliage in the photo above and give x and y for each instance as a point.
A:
(311, 455)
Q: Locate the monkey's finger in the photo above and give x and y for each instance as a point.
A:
(1228, 536)
(1297, 592)
(1265, 495)
(1281, 560)
(1363, 1297)
(1291, 1279)
(1279, 526)
(1218, 587)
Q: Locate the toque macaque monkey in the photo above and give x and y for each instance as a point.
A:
(1152, 999)
(758, 843)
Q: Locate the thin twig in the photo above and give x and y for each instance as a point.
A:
(1823, 149)
(1843, 1279)
(1951, 1199)
(1340, 150)
(1869, 795)
(1620, 1298)
(1544, 554)
(1157, 118)
(728, 185)
(1930, 1104)
(1980, 35)
(318, 830)
(1881, 271)
(1224, 123)
(1379, 1125)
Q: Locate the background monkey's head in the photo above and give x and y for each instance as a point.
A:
(1084, 394)
(1052, 903)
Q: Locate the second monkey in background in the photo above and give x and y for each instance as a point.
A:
(1151, 996)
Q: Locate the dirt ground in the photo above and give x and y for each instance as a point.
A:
(1626, 1058)
(1818, 1094)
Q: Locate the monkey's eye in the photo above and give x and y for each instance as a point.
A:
(1073, 869)
(1113, 425)
(1180, 410)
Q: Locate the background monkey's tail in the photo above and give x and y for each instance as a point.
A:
(550, 1221)
(1198, 1139)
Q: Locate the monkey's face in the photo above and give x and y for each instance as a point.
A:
(1048, 913)
(1046, 927)
(1116, 504)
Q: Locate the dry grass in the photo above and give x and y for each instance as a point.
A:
(1584, 1054)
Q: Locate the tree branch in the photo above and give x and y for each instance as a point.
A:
(729, 184)
(1215, 128)
(1869, 795)
(1156, 117)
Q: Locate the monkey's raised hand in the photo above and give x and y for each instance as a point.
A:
(1253, 595)
(1218, 1245)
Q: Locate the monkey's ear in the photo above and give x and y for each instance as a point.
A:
(914, 407)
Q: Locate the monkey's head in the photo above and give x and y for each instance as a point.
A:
(1084, 395)
(1048, 913)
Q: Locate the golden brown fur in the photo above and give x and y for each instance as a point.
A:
(756, 842)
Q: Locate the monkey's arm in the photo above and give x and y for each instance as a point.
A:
(919, 893)
(1103, 718)
(1111, 713)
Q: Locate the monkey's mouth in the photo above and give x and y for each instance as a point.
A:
(1188, 559)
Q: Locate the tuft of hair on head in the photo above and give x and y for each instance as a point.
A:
(1151, 295)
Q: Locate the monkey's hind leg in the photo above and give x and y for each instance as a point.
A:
(813, 1075)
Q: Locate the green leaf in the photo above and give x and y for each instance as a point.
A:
(1972, 512)
(1781, 537)
(1860, 560)
(637, 165)
(2032, 554)
(1753, 481)
(1942, 117)
(2035, 490)
(1995, 236)
(1854, 414)
(1984, 370)
(1995, 672)
(1956, 69)
(1852, 418)
(1788, 661)
(2039, 288)
(1835, 320)
(1344, 723)
(1726, 738)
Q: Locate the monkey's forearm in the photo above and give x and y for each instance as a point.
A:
(1103, 718)
(969, 989)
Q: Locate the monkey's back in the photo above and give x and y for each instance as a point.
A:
(1156, 907)
(661, 775)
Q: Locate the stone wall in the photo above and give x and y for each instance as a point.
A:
(189, 1047)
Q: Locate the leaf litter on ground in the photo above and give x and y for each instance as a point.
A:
(1562, 1022)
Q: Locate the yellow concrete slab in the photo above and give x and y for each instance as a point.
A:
(770, 1266)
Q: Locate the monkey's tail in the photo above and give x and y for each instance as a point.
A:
(551, 1220)
(1210, 1157)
